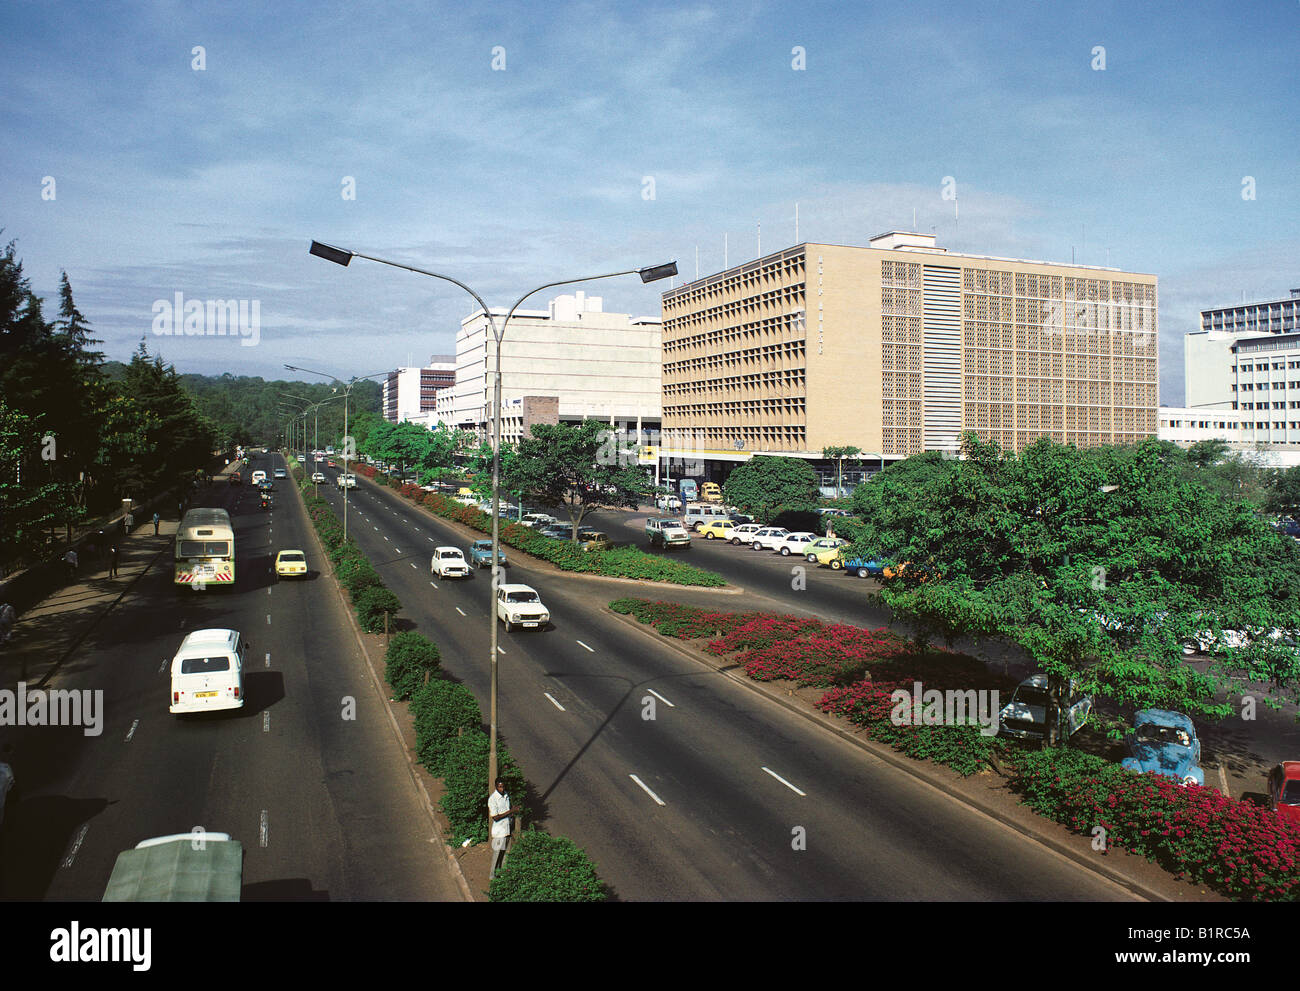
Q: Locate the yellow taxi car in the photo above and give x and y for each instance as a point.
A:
(718, 530)
(291, 564)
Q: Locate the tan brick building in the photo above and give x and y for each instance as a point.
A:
(901, 346)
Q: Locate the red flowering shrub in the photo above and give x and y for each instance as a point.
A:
(1238, 848)
(411, 491)
(763, 630)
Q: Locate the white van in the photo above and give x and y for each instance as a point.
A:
(698, 514)
(208, 672)
(259, 476)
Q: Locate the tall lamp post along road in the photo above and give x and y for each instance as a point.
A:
(342, 256)
(314, 410)
(347, 392)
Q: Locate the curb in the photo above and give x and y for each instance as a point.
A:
(377, 683)
(917, 769)
(640, 582)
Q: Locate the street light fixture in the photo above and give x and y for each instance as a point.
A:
(342, 256)
(347, 391)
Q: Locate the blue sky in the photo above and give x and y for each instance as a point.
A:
(212, 183)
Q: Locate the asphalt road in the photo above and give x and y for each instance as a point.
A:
(325, 806)
(709, 798)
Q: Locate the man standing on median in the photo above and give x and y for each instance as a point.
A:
(499, 813)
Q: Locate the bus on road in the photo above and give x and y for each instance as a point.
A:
(205, 549)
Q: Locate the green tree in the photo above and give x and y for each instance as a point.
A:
(1099, 563)
(839, 455)
(766, 485)
(571, 465)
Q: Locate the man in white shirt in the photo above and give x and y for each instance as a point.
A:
(499, 813)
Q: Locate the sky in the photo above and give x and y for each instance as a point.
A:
(151, 149)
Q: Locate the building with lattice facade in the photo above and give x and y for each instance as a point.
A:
(901, 346)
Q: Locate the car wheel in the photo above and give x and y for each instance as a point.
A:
(757, 546)
(836, 565)
(708, 536)
(811, 558)
(1189, 780)
(864, 573)
(785, 552)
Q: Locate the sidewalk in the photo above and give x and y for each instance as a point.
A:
(50, 630)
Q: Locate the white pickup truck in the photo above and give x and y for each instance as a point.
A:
(667, 532)
(348, 481)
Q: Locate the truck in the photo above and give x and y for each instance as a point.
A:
(667, 532)
(688, 490)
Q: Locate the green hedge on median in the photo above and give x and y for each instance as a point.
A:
(370, 597)
(443, 711)
(411, 659)
(464, 778)
(544, 868)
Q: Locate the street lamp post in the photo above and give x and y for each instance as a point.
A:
(347, 392)
(342, 256)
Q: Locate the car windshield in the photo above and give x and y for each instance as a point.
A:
(521, 596)
(1030, 696)
(451, 554)
(1151, 733)
(1291, 794)
(482, 545)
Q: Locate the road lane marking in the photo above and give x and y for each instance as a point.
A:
(785, 782)
(264, 829)
(266, 721)
(385, 537)
(501, 650)
(163, 666)
(661, 698)
(581, 644)
(458, 608)
(76, 845)
(553, 702)
(376, 528)
(657, 799)
(268, 660)
(268, 619)
(413, 565)
(131, 732)
(431, 583)
(268, 591)
(431, 540)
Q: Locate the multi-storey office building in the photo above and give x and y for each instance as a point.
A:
(410, 392)
(1246, 358)
(567, 363)
(901, 346)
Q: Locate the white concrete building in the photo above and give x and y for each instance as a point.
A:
(1246, 359)
(593, 364)
(410, 392)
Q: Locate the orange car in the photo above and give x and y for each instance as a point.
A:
(924, 570)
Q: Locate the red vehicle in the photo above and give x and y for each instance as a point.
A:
(235, 479)
(1284, 790)
(330, 462)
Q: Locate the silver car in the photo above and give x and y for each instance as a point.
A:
(1025, 716)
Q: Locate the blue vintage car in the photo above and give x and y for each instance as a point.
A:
(866, 569)
(1165, 742)
(480, 554)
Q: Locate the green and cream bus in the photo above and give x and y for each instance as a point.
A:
(205, 549)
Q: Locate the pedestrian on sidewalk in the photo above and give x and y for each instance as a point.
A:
(130, 523)
(70, 562)
(112, 562)
(155, 524)
(499, 812)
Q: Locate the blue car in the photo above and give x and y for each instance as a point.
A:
(866, 569)
(1165, 742)
(480, 554)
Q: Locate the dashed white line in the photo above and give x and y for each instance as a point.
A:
(163, 666)
(458, 608)
(785, 782)
(581, 644)
(413, 566)
(501, 650)
(553, 702)
(268, 619)
(264, 829)
(642, 784)
(131, 732)
(661, 698)
(76, 845)
(434, 585)
(266, 721)
(268, 591)
(268, 660)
